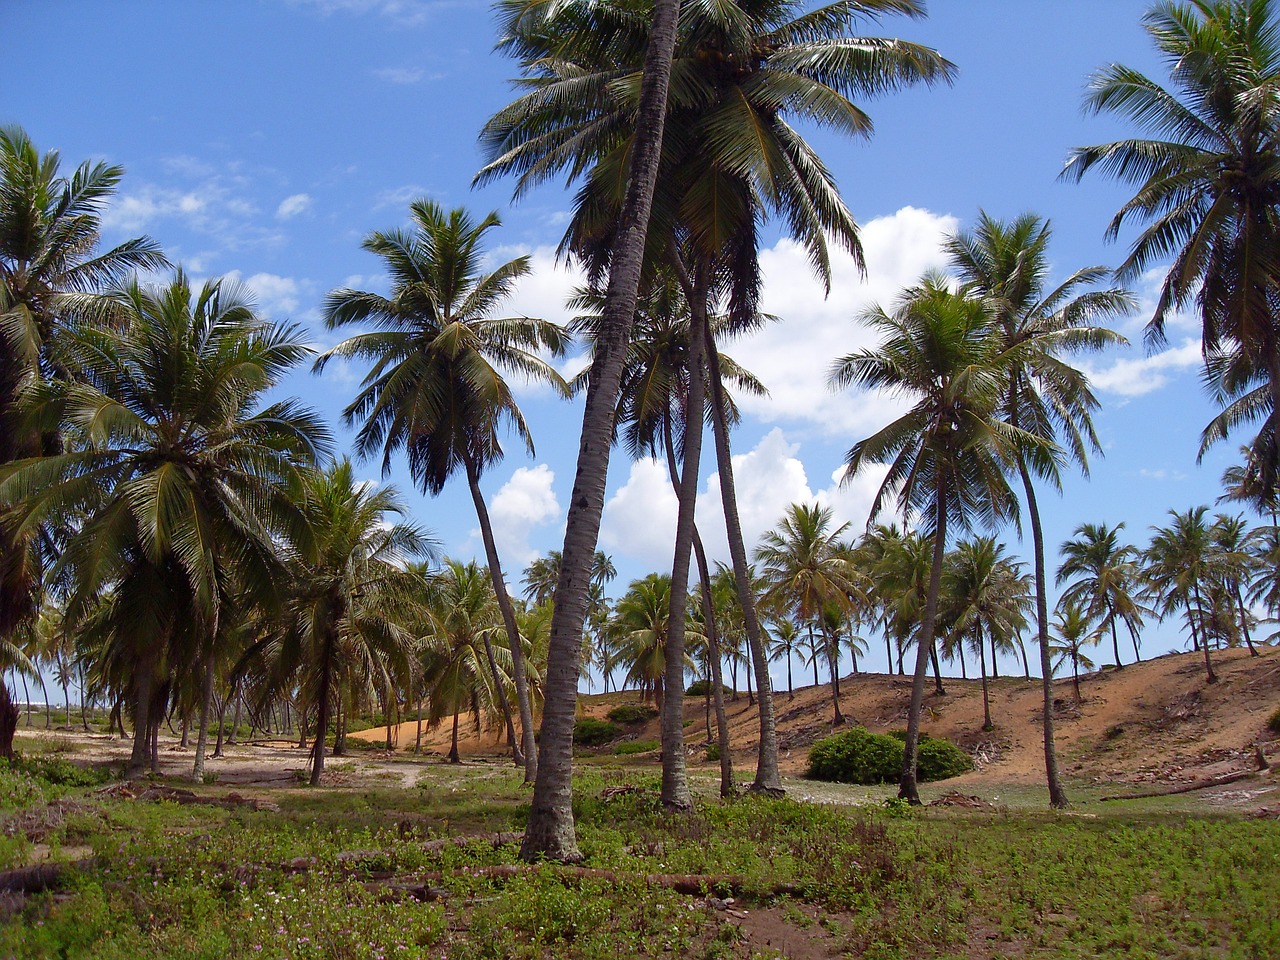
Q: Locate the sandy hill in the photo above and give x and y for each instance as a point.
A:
(1154, 720)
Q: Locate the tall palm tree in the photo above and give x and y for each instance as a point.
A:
(988, 598)
(1207, 177)
(1008, 265)
(50, 270)
(436, 388)
(1236, 565)
(1180, 570)
(807, 570)
(948, 455)
(746, 70)
(178, 471)
(1102, 574)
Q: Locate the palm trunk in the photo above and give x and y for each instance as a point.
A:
(528, 754)
(206, 708)
(1211, 677)
(907, 789)
(1075, 676)
(144, 682)
(791, 687)
(549, 831)
(767, 776)
(1244, 621)
(964, 674)
(888, 654)
(1057, 793)
(938, 688)
(838, 717)
(8, 721)
(995, 668)
(454, 756)
(322, 703)
(986, 697)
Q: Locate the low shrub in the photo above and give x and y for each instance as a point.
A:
(60, 772)
(700, 688)
(635, 746)
(627, 713)
(590, 732)
(1273, 724)
(713, 752)
(859, 756)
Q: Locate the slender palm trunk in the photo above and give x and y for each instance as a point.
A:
(888, 654)
(791, 687)
(675, 783)
(1057, 794)
(1244, 621)
(549, 831)
(528, 752)
(143, 685)
(907, 789)
(323, 701)
(986, 697)
(454, 756)
(1075, 674)
(206, 709)
(938, 688)
(8, 721)
(964, 674)
(837, 717)
(995, 668)
(767, 776)
(1211, 677)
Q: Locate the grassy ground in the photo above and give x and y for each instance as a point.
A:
(1137, 879)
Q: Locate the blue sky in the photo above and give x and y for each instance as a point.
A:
(265, 139)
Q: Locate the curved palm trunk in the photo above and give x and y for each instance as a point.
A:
(518, 667)
(715, 681)
(549, 831)
(767, 776)
(675, 783)
(1244, 621)
(907, 789)
(1057, 794)
(938, 688)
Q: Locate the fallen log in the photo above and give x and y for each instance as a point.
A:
(39, 877)
(1184, 788)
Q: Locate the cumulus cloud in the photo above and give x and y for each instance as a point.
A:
(408, 12)
(216, 207)
(640, 518)
(1134, 377)
(793, 358)
(277, 297)
(542, 294)
(139, 210)
(523, 504)
(291, 206)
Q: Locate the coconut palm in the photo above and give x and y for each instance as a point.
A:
(1102, 574)
(1076, 630)
(1236, 565)
(178, 472)
(733, 159)
(988, 597)
(807, 570)
(50, 270)
(1207, 179)
(949, 454)
(1180, 569)
(436, 388)
(1008, 265)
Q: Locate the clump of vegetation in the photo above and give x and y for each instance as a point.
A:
(628, 713)
(590, 732)
(635, 746)
(58, 771)
(859, 756)
(713, 752)
(1273, 723)
(700, 688)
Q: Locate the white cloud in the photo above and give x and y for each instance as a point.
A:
(292, 206)
(216, 207)
(640, 518)
(793, 358)
(400, 197)
(524, 503)
(542, 294)
(276, 296)
(402, 76)
(408, 12)
(1135, 377)
(137, 211)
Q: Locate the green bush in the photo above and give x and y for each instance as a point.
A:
(626, 713)
(635, 746)
(940, 760)
(713, 752)
(856, 756)
(590, 732)
(859, 756)
(1273, 724)
(60, 772)
(700, 688)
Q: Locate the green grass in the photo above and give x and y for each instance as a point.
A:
(1139, 879)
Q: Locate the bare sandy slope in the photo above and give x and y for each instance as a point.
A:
(1156, 720)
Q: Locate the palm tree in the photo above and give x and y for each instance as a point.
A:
(436, 387)
(1236, 565)
(736, 158)
(643, 618)
(465, 671)
(1208, 179)
(1180, 569)
(50, 270)
(1076, 631)
(948, 455)
(1008, 265)
(1102, 575)
(988, 598)
(806, 570)
(180, 476)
